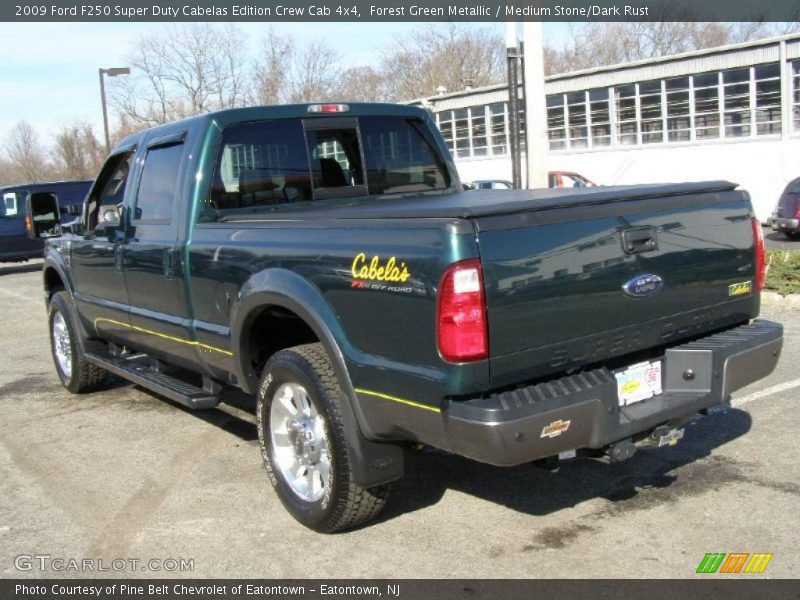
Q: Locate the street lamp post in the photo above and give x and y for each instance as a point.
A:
(112, 72)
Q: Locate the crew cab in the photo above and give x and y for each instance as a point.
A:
(325, 259)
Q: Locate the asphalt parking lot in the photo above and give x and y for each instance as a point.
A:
(775, 240)
(124, 474)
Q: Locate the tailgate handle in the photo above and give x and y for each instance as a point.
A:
(639, 239)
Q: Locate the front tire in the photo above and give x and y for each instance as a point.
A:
(76, 374)
(302, 437)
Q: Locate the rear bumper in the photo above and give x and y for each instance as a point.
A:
(582, 411)
(781, 224)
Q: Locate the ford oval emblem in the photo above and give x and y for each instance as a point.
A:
(643, 286)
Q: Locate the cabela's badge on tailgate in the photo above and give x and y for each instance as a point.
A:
(739, 289)
(555, 428)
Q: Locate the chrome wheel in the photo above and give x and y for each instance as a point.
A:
(61, 344)
(300, 442)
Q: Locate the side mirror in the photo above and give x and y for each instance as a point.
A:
(42, 216)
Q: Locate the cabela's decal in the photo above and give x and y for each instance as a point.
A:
(555, 429)
(738, 289)
(374, 270)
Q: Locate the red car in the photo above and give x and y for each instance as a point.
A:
(568, 179)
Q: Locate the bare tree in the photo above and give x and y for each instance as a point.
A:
(450, 55)
(600, 44)
(288, 72)
(24, 155)
(361, 84)
(183, 70)
(77, 153)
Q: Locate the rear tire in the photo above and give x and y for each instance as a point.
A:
(303, 442)
(792, 235)
(76, 374)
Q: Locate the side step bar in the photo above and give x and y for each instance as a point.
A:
(141, 374)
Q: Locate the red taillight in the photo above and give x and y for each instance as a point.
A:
(461, 316)
(761, 263)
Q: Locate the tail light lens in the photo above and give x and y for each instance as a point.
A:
(461, 316)
(28, 223)
(761, 263)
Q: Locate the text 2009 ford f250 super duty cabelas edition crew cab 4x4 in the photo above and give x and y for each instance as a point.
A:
(324, 259)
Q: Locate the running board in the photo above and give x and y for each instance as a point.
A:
(141, 374)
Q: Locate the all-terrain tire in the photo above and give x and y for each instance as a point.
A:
(76, 374)
(343, 504)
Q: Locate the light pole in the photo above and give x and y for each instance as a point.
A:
(112, 72)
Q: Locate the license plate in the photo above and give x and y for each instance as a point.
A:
(639, 382)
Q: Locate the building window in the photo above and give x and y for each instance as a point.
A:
(678, 109)
(600, 117)
(768, 98)
(556, 125)
(446, 127)
(497, 119)
(706, 106)
(627, 121)
(576, 116)
(736, 91)
(650, 107)
(461, 129)
(478, 122)
(796, 94)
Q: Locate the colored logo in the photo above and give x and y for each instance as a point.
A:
(643, 286)
(738, 289)
(735, 562)
(555, 429)
(374, 270)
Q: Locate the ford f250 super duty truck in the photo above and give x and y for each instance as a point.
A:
(325, 259)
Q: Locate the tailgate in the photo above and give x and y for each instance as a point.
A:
(575, 286)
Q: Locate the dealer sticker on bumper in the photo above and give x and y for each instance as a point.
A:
(639, 382)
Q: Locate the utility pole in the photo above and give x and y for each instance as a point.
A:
(536, 144)
(513, 55)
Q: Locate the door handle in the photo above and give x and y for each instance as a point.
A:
(639, 239)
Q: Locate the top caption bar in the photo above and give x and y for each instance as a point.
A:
(397, 10)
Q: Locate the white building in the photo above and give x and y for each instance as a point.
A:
(724, 113)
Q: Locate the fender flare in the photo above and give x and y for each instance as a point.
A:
(373, 463)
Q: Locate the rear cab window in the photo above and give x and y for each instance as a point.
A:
(281, 164)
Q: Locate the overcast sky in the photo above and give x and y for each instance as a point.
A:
(48, 71)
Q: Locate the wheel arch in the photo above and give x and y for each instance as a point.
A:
(377, 463)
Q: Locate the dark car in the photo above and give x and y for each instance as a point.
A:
(786, 217)
(15, 245)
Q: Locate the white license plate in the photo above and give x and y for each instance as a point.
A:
(639, 382)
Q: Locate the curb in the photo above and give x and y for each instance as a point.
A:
(775, 299)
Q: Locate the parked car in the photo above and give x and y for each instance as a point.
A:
(555, 179)
(15, 245)
(568, 179)
(369, 303)
(786, 217)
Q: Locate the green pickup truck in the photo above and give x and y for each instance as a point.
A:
(325, 259)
